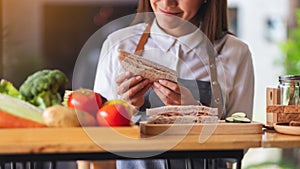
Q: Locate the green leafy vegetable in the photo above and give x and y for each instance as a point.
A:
(44, 88)
(8, 88)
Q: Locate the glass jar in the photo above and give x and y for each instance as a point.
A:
(289, 89)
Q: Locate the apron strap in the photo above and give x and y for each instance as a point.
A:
(140, 46)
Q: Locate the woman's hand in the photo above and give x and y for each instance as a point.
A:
(132, 88)
(172, 93)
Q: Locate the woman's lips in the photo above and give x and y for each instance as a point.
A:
(168, 12)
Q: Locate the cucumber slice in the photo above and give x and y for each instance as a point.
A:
(238, 117)
(241, 120)
(239, 114)
(229, 119)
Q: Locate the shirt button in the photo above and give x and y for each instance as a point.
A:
(217, 100)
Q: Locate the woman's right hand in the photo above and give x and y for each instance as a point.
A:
(132, 88)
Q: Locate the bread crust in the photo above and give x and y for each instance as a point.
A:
(145, 68)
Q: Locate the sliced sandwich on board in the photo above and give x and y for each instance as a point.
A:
(192, 119)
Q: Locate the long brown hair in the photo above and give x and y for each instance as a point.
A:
(212, 17)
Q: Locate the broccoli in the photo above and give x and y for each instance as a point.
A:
(6, 87)
(44, 88)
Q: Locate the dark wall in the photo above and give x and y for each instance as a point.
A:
(67, 27)
(1, 41)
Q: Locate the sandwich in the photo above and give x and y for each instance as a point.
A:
(146, 68)
(183, 114)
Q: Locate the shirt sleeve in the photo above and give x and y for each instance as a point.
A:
(242, 93)
(105, 75)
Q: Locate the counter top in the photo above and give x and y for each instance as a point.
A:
(102, 139)
(273, 139)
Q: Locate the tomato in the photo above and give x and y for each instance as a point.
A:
(85, 100)
(119, 101)
(114, 115)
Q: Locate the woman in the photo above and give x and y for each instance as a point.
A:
(173, 36)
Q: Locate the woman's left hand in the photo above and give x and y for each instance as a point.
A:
(172, 93)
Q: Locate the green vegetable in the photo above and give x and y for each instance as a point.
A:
(238, 117)
(20, 108)
(8, 88)
(229, 119)
(239, 114)
(44, 88)
(241, 120)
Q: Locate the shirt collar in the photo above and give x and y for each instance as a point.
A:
(166, 41)
(163, 40)
(191, 40)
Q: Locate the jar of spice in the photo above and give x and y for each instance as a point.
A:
(289, 89)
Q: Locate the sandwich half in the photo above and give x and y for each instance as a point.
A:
(145, 68)
(183, 114)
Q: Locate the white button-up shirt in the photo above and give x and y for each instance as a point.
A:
(188, 55)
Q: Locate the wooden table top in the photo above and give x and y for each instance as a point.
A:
(273, 139)
(120, 139)
(123, 139)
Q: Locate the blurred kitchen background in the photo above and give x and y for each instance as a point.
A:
(38, 34)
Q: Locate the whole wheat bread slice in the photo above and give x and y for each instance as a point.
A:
(145, 68)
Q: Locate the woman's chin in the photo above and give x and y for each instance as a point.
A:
(169, 22)
(174, 25)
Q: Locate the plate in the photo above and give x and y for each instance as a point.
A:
(285, 128)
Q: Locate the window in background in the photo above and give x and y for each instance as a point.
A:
(232, 19)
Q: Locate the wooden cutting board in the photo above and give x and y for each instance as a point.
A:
(215, 128)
